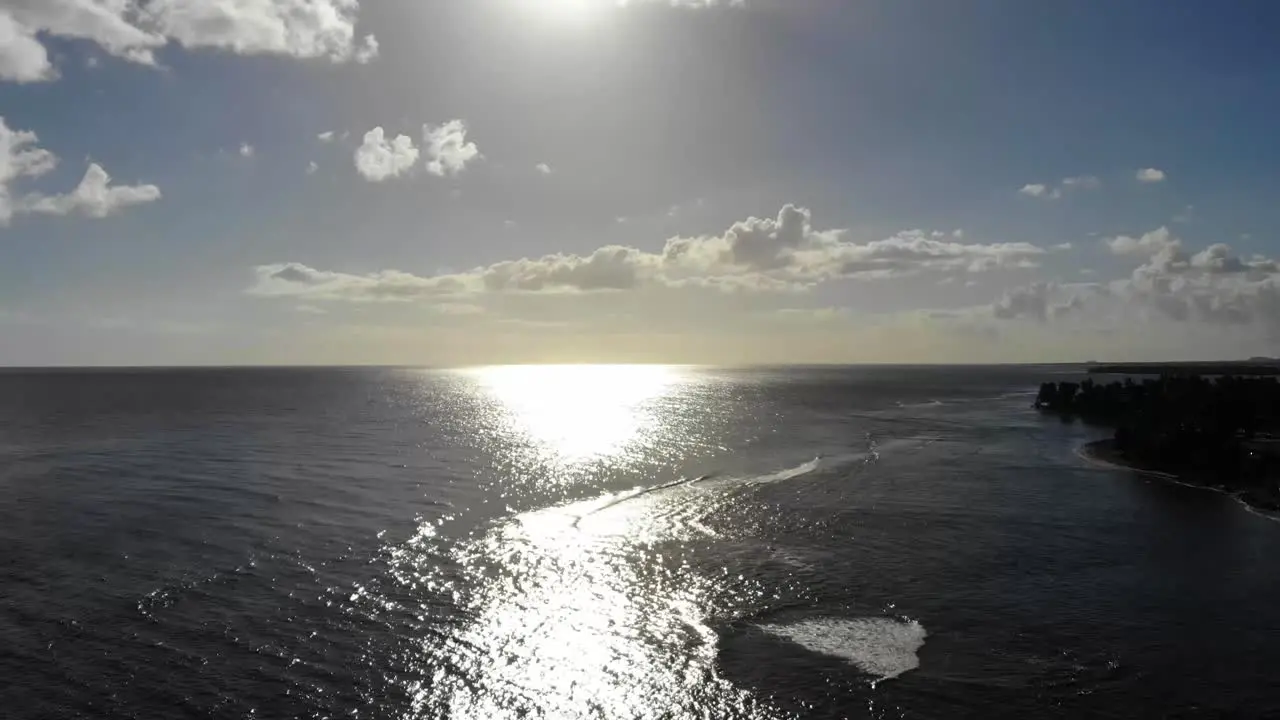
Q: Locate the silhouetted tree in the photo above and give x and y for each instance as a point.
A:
(1182, 423)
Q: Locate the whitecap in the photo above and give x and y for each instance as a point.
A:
(789, 473)
(879, 646)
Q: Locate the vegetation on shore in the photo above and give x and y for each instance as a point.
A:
(1223, 432)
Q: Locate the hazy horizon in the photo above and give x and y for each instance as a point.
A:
(717, 366)
(753, 182)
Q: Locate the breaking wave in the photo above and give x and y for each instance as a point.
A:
(879, 646)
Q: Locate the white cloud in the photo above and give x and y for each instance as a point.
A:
(312, 167)
(326, 136)
(1214, 286)
(378, 159)
(1147, 245)
(448, 151)
(21, 159)
(299, 281)
(95, 196)
(1039, 301)
(107, 24)
(543, 168)
(1031, 302)
(299, 28)
(1150, 175)
(1062, 247)
(366, 51)
(246, 150)
(22, 57)
(1049, 192)
(773, 254)
(134, 31)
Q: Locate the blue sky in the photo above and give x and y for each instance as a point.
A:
(765, 181)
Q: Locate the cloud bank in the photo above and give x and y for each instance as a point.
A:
(1214, 286)
(781, 254)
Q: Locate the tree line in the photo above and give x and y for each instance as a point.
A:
(1224, 431)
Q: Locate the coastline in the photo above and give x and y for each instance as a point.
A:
(1104, 453)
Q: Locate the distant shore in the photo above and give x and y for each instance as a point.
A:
(1105, 452)
(1246, 368)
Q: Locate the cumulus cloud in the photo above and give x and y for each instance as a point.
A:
(1145, 245)
(789, 249)
(312, 167)
(1030, 301)
(757, 254)
(1038, 301)
(134, 30)
(22, 56)
(543, 168)
(366, 51)
(300, 28)
(1150, 175)
(447, 148)
(1049, 192)
(95, 196)
(1214, 285)
(326, 136)
(19, 158)
(379, 159)
(246, 150)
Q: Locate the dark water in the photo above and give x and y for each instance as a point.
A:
(607, 542)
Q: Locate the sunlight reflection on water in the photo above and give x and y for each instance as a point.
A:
(574, 619)
(585, 609)
(579, 412)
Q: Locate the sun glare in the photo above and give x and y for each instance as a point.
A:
(567, 11)
(578, 411)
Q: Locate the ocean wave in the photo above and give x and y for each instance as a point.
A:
(586, 509)
(787, 474)
(879, 646)
(923, 404)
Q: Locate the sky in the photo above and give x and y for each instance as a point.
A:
(455, 182)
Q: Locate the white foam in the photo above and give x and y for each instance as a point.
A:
(879, 646)
(789, 473)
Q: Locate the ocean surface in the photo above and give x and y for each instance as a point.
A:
(608, 542)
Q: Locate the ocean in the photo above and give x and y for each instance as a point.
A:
(608, 542)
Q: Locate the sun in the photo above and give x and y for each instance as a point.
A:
(567, 11)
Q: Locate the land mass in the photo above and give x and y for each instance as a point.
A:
(1222, 433)
(1256, 367)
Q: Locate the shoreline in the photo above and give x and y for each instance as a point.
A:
(1103, 452)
